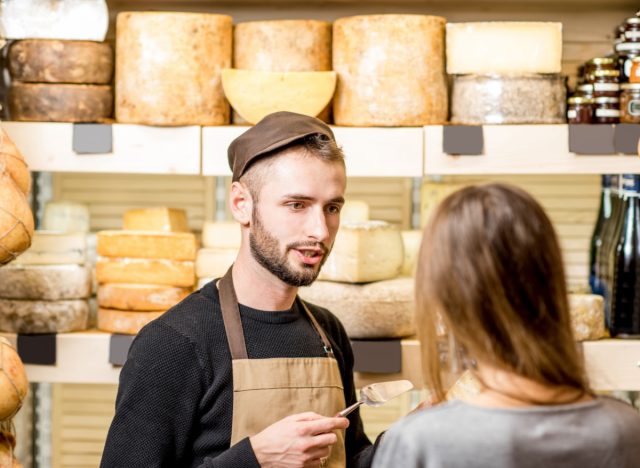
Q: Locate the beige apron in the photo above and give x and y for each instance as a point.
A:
(268, 390)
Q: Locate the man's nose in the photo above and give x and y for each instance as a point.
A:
(317, 225)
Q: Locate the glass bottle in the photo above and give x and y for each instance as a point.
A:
(604, 216)
(608, 230)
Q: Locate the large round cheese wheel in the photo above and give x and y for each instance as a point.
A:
(383, 309)
(13, 380)
(60, 102)
(140, 297)
(124, 322)
(45, 282)
(391, 70)
(16, 220)
(168, 68)
(11, 161)
(18, 316)
(53, 61)
(146, 271)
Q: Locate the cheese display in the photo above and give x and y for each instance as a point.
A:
(587, 316)
(525, 99)
(383, 309)
(221, 235)
(391, 70)
(147, 244)
(140, 297)
(364, 252)
(12, 162)
(156, 219)
(504, 48)
(145, 271)
(13, 380)
(66, 216)
(47, 282)
(176, 58)
(55, 248)
(60, 102)
(32, 317)
(255, 94)
(214, 263)
(411, 241)
(16, 220)
(354, 211)
(55, 61)
(124, 322)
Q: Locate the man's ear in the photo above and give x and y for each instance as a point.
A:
(241, 203)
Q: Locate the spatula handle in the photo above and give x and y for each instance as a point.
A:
(348, 410)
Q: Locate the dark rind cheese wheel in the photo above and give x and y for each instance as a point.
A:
(60, 102)
(54, 61)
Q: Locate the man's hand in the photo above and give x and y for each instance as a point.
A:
(300, 440)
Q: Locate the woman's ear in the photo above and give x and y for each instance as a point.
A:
(241, 203)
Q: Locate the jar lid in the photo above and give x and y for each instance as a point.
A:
(606, 73)
(606, 100)
(602, 60)
(586, 87)
(579, 100)
(633, 20)
(632, 86)
(628, 46)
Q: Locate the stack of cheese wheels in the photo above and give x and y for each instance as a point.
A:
(506, 73)
(13, 391)
(282, 46)
(176, 58)
(16, 220)
(46, 290)
(60, 81)
(143, 273)
(221, 242)
(391, 70)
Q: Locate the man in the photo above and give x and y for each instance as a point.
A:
(242, 373)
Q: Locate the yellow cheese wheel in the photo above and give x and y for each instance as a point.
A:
(168, 68)
(13, 380)
(11, 161)
(140, 297)
(147, 244)
(125, 322)
(156, 219)
(16, 220)
(391, 70)
(146, 271)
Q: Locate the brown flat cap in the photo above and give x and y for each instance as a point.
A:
(273, 132)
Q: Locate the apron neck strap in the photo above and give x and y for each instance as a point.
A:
(325, 341)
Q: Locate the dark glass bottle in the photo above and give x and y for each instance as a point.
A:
(604, 253)
(625, 301)
(604, 215)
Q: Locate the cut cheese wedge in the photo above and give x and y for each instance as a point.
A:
(145, 271)
(147, 244)
(221, 235)
(55, 248)
(124, 322)
(45, 282)
(140, 297)
(255, 94)
(33, 317)
(214, 263)
(156, 219)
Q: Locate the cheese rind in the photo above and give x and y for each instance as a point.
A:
(384, 309)
(45, 282)
(214, 263)
(140, 297)
(16, 220)
(411, 241)
(66, 217)
(20, 316)
(156, 219)
(145, 271)
(55, 248)
(587, 316)
(505, 48)
(13, 380)
(221, 235)
(364, 252)
(147, 244)
(124, 322)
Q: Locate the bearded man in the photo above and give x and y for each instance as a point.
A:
(242, 373)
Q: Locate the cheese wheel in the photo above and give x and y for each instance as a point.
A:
(140, 297)
(66, 217)
(54, 61)
(19, 316)
(55, 248)
(364, 252)
(60, 102)
(587, 316)
(145, 271)
(384, 309)
(124, 322)
(12, 162)
(147, 244)
(156, 219)
(504, 48)
(411, 241)
(214, 263)
(221, 235)
(13, 381)
(391, 70)
(16, 220)
(176, 58)
(47, 282)
(354, 211)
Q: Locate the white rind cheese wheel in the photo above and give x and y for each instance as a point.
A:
(411, 241)
(391, 70)
(16, 220)
(48, 282)
(504, 48)
(140, 297)
(18, 316)
(66, 217)
(145, 271)
(13, 380)
(124, 322)
(354, 211)
(587, 316)
(55, 248)
(221, 235)
(384, 309)
(365, 252)
(147, 244)
(156, 219)
(214, 263)
(12, 162)
(176, 58)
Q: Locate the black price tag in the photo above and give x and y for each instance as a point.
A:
(591, 139)
(119, 348)
(626, 138)
(37, 349)
(466, 140)
(92, 138)
(377, 356)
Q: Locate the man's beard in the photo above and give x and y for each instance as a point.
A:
(266, 250)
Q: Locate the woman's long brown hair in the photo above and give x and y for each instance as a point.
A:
(490, 265)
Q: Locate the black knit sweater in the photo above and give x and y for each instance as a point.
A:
(175, 399)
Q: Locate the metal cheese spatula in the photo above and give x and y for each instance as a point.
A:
(378, 394)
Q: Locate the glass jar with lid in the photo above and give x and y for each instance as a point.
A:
(596, 64)
(584, 90)
(579, 110)
(634, 74)
(606, 83)
(632, 29)
(626, 52)
(606, 110)
(630, 103)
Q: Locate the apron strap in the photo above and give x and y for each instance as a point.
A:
(231, 317)
(325, 341)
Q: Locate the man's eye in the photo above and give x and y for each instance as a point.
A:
(296, 205)
(334, 209)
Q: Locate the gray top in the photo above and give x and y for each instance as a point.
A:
(595, 434)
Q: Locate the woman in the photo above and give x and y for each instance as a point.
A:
(490, 266)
